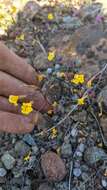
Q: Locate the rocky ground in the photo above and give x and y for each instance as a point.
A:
(60, 40)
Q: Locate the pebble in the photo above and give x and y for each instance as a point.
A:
(66, 149)
(49, 70)
(81, 147)
(77, 172)
(44, 186)
(71, 22)
(104, 183)
(84, 176)
(57, 66)
(8, 161)
(53, 166)
(35, 149)
(61, 186)
(74, 132)
(29, 139)
(94, 154)
(3, 172)
(21, 148)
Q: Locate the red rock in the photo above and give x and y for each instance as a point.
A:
(53, 166)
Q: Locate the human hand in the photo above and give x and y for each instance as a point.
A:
(19, 79)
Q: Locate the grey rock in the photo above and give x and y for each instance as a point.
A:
(21, 148)
(66, 149)
(93, 154)
(84, 176)
(1, 188)
(77, 172)
(71, 23)
(35, 149)
(81, 147)
(45, 186)
(26, 188)
(90, 11)
(74, 132)
(49, 70)
(14, 188)
(61, 186)
(67, 19)
(40, 61)
(8, 161)
(102, 97)
(29, 139)
(3, 172)
(17, 172)
(104, 183)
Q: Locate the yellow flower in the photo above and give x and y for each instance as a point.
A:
(54, 104)
(78, 79)
(81, 101)
(21, 37)
(50, 112)
(27, 157)
(13, 99)
(13, 9)
(89, 84)
(50, 16)
(51, 56)
(26, 108)
(40, 77)
(54, 133)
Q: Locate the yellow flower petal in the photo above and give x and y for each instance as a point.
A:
(54, 133)
(51, 56)
(27, 157)
(78, 79)
(40, 77)
(50, 16)
(13, 99)
(21, 37)
(13, 9)
(54, 104)
(81, 101)
(26, 108)
(50, 112)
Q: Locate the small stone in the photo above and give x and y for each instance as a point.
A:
(3, 172)
(35, 149)
(77, 172)
(8, 161)
(21, 148)
(78, 153)
(57, 66)
(93, 154)
(84, 176)
(49, 70)
(67, 19)
(104, 183)
(53, 166)
(29, 139)
(1, 188)
(74, 132)
(40, 61)
(81, 147)
(66, 149)
(44, 186)
(61, 185)
(71, 22)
